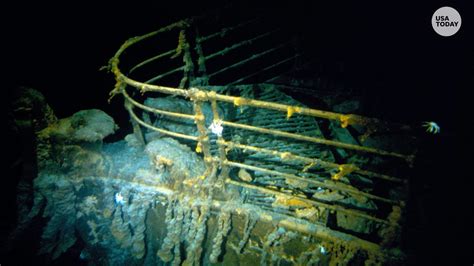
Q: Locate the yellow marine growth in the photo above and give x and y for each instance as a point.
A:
(199, 147)
(344, 120)
(181, 44)
(291, 110)
(290, 202)
(344, 169)
(162, 162)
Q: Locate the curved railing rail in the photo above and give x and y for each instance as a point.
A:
(199, 96)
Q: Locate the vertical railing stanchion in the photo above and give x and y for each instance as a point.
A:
(137, 131)
(224, 174)
(200, 120)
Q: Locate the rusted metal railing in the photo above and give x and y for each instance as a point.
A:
(203, 145)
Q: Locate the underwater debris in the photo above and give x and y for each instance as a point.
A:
(244, 175)
(299, 195)
(135, 194)
(90, 126)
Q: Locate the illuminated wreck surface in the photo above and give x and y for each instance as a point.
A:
(223, 166)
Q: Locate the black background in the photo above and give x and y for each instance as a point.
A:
(390, 49)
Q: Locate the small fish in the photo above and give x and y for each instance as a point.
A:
(431, 127)
(244, 175)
